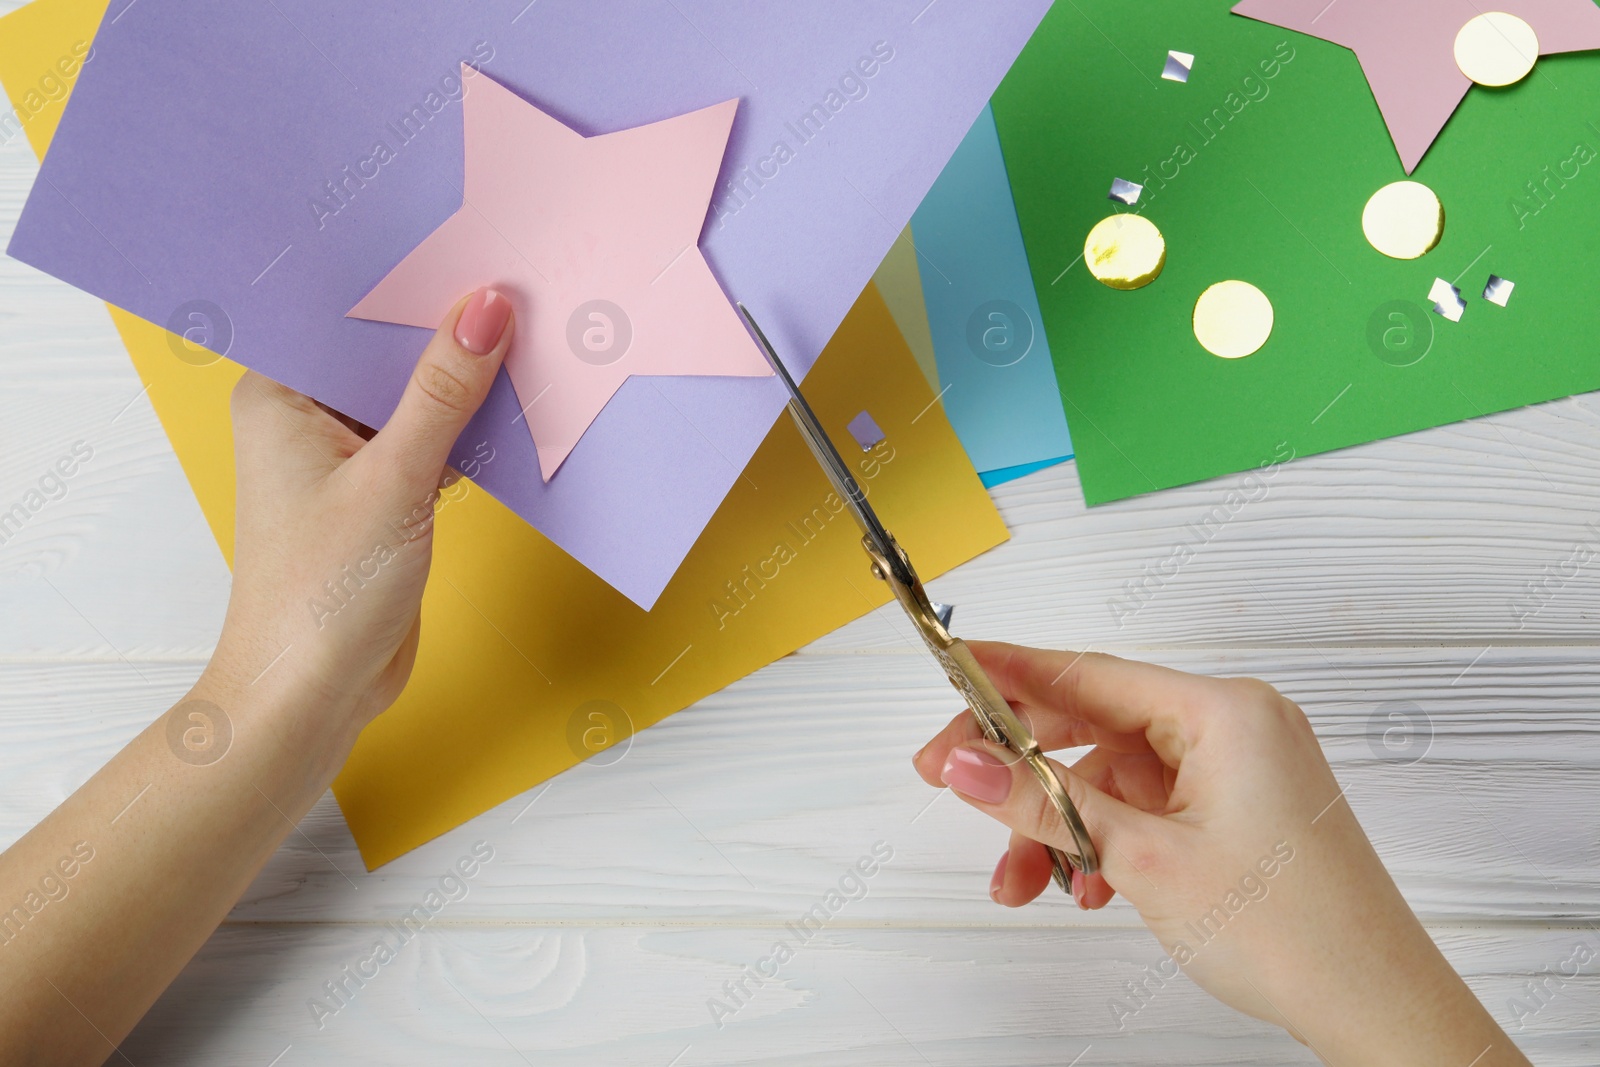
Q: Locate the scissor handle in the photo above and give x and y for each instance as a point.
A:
(1000, 724)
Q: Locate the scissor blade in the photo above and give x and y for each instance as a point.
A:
(823, 449)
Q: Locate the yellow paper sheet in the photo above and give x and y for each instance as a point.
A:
(529, 662)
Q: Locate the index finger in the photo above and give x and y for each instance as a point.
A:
(1053, 732)
(1117, 695)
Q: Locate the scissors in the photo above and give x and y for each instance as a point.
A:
(891, 564)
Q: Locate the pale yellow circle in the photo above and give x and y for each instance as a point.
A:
(1496, 49)
(1232, 319)
(1403, 220)
(1125, 251)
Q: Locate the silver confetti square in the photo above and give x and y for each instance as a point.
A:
(1179, 64)
(1125, 192)
(1447, 300)
(1498, 291)
(864, 428)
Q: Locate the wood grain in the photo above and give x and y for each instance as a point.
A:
(1430, 539)
(747, 806)
(639, 995)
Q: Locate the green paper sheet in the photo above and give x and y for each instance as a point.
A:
(1258, 169)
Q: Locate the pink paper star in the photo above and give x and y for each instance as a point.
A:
(1407, 49)
(595, 239)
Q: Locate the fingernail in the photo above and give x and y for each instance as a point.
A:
(999, 878)
(482, 321)
(977, 774)
(916, 760)
(1080, 890)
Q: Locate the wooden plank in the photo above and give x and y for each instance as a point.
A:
(745, 807)
(1434, 539)
(640, 995)
(112, 560)
(1428, 539)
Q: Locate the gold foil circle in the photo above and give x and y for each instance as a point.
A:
(1496, 49)
(1125, 251)
(1232, 319)
(1403, 220)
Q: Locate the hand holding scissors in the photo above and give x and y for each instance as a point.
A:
(891, 564)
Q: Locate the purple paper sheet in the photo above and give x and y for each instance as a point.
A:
(187, 168)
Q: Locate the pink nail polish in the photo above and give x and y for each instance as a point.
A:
(1080, 890)
(482, 321)
(977, 774)
(999, 877)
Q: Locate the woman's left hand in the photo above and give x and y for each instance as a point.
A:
(335, 533)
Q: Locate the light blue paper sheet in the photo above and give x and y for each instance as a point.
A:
(994, 362)
(990, 479)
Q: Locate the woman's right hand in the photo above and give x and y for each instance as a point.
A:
(1216, 815)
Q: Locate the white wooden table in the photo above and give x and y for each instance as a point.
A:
(620, 899)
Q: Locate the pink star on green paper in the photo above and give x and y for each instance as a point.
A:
(595, 240)
(1407, 49)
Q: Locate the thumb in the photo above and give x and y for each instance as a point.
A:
(998, 782)
(446, 389)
